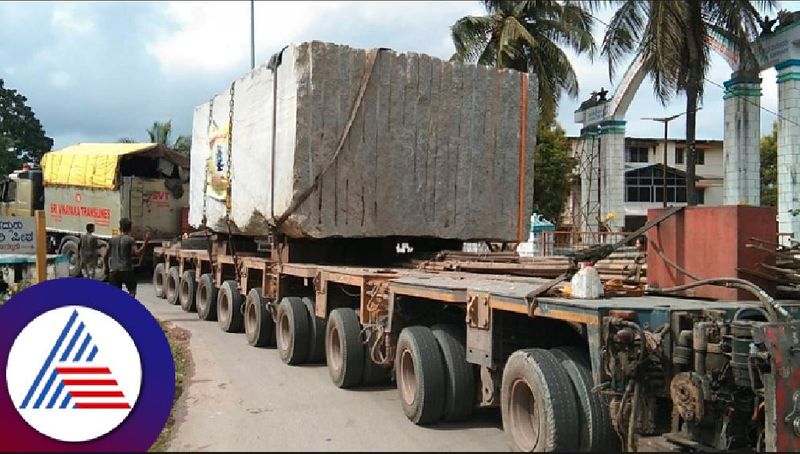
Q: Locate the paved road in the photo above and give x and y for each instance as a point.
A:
(241, 398)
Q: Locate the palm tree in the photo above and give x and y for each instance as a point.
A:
(671, 37)
(528, 36)
(161, 133)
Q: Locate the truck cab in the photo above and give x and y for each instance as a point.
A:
(22, 193)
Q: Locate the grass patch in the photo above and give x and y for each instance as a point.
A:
(179, 344)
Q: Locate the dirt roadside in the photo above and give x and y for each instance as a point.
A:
(179, 344)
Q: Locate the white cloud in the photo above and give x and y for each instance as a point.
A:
(69, 19)
(215, 36)
(59, 79)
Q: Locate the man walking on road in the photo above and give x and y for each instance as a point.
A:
(119, 258)
(88, 252)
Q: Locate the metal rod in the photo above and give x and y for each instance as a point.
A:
(664, 176)
(252, 35)
(599, 181)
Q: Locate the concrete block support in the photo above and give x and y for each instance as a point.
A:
(741, 148)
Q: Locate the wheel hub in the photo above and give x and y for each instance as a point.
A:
(408, 377)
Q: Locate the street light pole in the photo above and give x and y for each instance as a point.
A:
(252, 35)
(666, 121)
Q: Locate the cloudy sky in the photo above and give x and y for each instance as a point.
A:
(96, 72)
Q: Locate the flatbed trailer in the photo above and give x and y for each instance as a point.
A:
(634, 373)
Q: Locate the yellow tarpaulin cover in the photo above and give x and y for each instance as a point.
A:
(90, 165)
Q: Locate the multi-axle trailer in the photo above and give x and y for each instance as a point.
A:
(647, 373)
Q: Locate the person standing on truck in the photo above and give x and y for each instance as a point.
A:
(119, 259)
(88, 252)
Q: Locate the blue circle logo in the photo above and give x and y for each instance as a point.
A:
(87, 368)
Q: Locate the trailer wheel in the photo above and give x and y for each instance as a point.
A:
(344, 352)
(596, 432)
(540, 413)
(230, 307)
(293, 331)
(100, 271)
(173, 284)
(206, 298)
(186, 293)
(459, 397)
(316, 338)
(158, 281)
(70, 249)
(420, 375)
(258, 324)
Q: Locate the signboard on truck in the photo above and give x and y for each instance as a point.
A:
(17, 235)
(69, 209)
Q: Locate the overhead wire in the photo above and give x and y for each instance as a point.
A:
(770, 111)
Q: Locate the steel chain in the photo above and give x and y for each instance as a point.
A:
(230, 153)
(236, 263)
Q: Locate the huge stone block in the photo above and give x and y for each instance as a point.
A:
(432, 150)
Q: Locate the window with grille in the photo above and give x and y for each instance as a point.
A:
(647, 185)
(680, 153)
(636, 154)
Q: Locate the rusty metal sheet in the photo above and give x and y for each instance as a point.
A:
(783, 344)
(479, 312)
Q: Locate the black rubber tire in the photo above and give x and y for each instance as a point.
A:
(230, 307)
(158, 280)
(534, 383)
(597, 434)
(316, 338)
(420, 375)
(206, 300)
(187, 292)
(344, 352)
(259, 327)
(70, 249)
(172, 284)
(459, 398)
(293, 331)
(100, 271)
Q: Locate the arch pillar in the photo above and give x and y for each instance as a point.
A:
(742, 142)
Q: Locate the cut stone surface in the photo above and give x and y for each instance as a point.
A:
(433, 150)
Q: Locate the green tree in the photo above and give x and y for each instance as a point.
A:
(161, 132)
(21, 134)
(769, 168)
(528, 36)
(8, 157)
(671, 37)
(553, 165)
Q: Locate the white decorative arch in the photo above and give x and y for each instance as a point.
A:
(601, 148)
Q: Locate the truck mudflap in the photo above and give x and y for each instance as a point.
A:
(782, 385)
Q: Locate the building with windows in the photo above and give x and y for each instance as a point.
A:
(647, 181)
